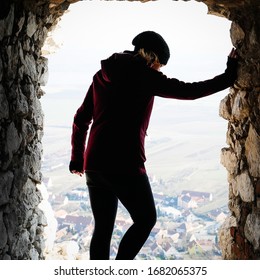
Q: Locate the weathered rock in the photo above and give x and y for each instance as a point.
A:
(6, 24)
(21, 245)
(229, 160)
(28, 132)
(4, 109)
(22, 107)
(13, 141)
(31, 25)
(225, 108)
(226, 239)
(1, 69)
(240, 109)
(3, 233)
(252, 151)
(6, 181)
(237, 34)
(242, 186)
(43, 71)
(252, 229)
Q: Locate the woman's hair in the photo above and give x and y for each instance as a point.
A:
(152, 41)
(149, 56)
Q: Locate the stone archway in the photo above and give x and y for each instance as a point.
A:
(24, 26)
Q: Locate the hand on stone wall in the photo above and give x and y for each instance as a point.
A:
(233, 53)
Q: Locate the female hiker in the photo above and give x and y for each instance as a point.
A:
(118, 107)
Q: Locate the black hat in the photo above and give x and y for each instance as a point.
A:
(152, 41)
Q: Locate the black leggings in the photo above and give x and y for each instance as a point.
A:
(135, 194)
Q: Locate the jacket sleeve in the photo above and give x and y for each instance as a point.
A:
(173, 88)
(80, 127)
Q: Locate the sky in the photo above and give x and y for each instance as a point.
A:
(92, 30)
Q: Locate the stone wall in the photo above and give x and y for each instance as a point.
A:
(23, 28)
(240, 236)
(24, 25)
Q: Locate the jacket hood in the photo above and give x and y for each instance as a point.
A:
(118, 64)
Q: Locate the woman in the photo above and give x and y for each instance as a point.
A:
(119, 103)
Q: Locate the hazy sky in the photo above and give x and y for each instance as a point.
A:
(93, 30)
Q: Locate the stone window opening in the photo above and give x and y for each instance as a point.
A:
(82, 48)
(23, 29)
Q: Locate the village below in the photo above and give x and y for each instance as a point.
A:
(187, 224)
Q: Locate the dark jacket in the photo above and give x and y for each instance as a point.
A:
(119, 102)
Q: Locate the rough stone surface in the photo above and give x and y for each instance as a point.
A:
(226, 239)
(243, 187)
(252, 152)
(252, 229)
(24, 26)
(241, 158)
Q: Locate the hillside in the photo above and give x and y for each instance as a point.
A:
(182, 148)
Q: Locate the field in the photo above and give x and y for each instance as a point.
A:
(182, 148)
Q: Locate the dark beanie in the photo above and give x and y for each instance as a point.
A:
(152, 41)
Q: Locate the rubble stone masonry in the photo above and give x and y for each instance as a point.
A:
(24, 26)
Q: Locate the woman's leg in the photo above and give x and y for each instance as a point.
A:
(137, 197)
(104, 207)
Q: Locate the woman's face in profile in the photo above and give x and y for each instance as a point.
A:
(156, 66)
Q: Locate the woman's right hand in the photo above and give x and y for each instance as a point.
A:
(74, 168)
(77, 173)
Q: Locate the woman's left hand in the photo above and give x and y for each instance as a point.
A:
(233, 53)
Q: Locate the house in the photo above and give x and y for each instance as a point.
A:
(61, 214)
(199, 196)
(77, 195)
(78, 223)
(61, 233)
(193, 199)
(190, 218)
(58, 199)
(200, 247)
(147, 250)
(155, 230)
(159, 197)
(182, 228)
(186, 202)
(194, 248)
(171, 212)
(217, 215)
(170, 251)
(122, 224)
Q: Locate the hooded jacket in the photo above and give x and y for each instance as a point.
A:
(118, 106)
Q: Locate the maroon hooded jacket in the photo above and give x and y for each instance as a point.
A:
(119, 102)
